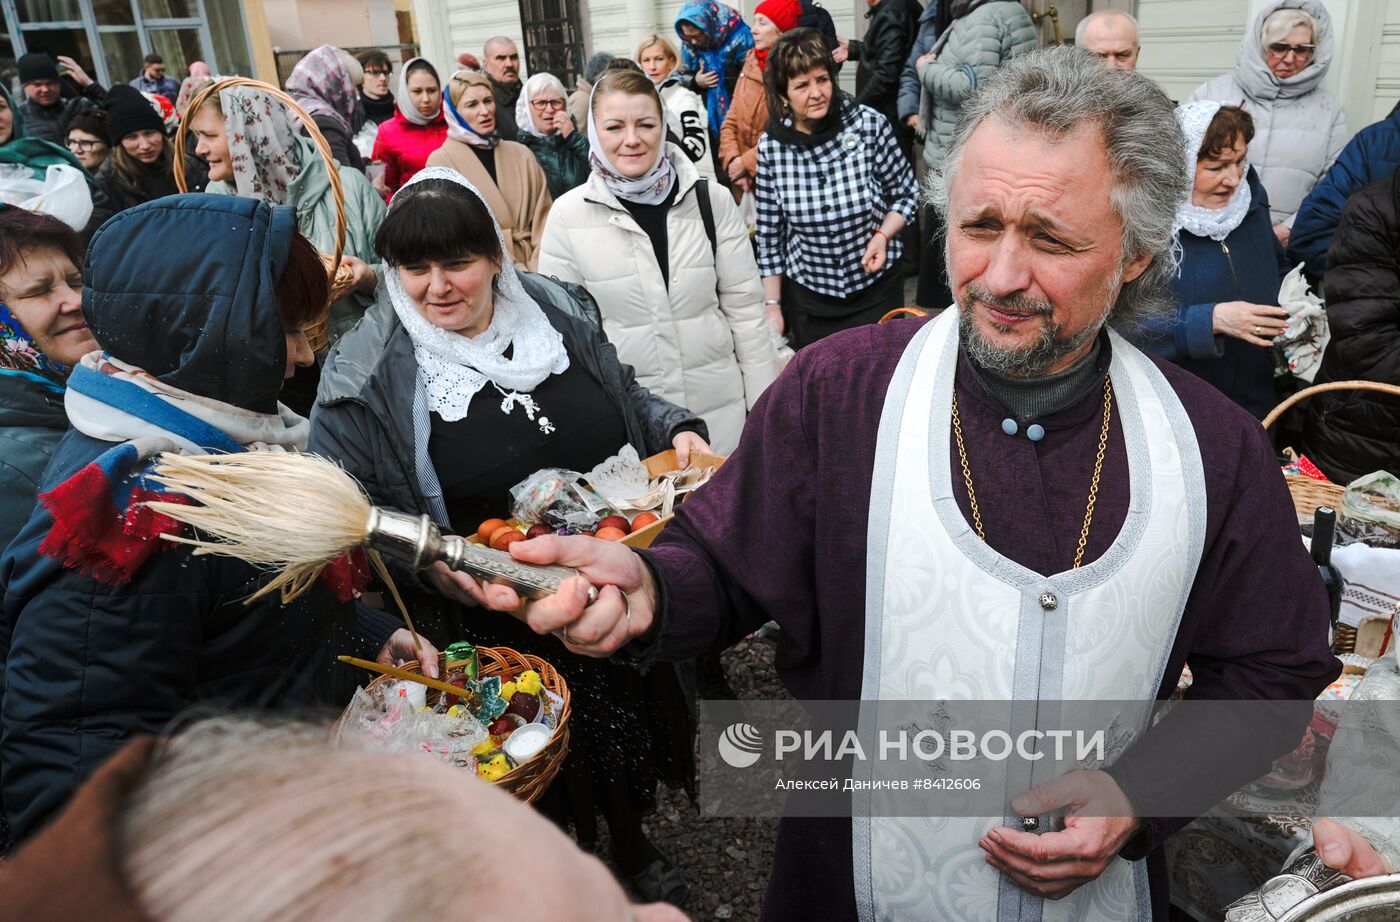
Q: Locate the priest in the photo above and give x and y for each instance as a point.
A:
(1006, 502)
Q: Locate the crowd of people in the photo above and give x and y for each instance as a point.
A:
(690, 249)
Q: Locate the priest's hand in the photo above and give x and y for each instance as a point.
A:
(1098, 822)
(1347, 850)
(592, 630)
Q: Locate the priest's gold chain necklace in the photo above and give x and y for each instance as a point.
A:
(1093, 484)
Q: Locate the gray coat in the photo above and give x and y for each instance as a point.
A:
(372, 418)
(1299, 128)
(969, 52)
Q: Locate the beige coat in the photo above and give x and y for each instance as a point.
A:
(520, 202)
(704, 342)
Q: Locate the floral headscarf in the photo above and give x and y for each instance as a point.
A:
(728, 40)
(262, 144)
(189, 89)
(323, 86)
(18, 352)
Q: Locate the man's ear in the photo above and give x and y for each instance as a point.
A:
(1135, 267)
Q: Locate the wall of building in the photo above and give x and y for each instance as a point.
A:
(310, 23)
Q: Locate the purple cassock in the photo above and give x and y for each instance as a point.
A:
(781, 533)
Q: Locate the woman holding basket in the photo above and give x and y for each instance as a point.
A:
(465, 378)
(255, 150)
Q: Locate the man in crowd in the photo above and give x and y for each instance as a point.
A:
(44, 109)
(1112, 35)
(375, 94)
(154, 79)
(880, 55)
(501, 59)
(895, 578)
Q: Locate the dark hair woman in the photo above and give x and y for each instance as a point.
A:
(42, 336)
(418, 128)
(87, 139)
(465, 378)
(1232, 265)
(833, 193)
(141, 167)
(105, 630)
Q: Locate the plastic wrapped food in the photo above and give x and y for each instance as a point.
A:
(555, 497)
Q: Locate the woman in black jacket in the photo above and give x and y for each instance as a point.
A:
(461, 381)
(106, 631)
(141, 167)
(1349, 434)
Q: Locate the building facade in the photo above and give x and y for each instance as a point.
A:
(109, 38)
(1185, 42)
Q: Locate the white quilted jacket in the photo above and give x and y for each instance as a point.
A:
(702, 344)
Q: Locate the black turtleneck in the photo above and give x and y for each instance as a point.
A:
(1027, 399)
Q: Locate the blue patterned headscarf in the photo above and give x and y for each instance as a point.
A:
(727, 42)
(19, 353)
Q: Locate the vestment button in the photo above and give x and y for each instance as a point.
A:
(1009, 426)
(1035, 432)
(1048, 601)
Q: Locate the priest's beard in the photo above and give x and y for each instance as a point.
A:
(1048, 348)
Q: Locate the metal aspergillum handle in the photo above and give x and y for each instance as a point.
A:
(416, 541)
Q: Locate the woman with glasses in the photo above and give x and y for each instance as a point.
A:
(547, 128)
(87, 138)
(506, 174)
(1300, 127)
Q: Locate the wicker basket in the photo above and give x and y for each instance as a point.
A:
(528, 780)
(341, 276)
(1309, 494)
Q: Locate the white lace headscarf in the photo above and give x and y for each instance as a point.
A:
(1215, 223)
(452, 368)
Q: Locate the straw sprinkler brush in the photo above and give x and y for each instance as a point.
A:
(296, 513)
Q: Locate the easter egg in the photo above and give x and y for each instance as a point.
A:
(644, 519)
(537, 529)
(608, 533)
(615, 521)
(503, 538)
(486, 529)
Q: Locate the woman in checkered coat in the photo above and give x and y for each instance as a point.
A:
(833, 192)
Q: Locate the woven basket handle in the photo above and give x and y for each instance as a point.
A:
(1307, 392)
(337, 191)
(904, 312)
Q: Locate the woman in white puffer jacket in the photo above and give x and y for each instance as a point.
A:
(692, 325)
(1299, 128)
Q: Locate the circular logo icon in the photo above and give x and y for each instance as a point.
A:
(740, 745)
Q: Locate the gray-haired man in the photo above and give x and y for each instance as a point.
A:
(1008, 502)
